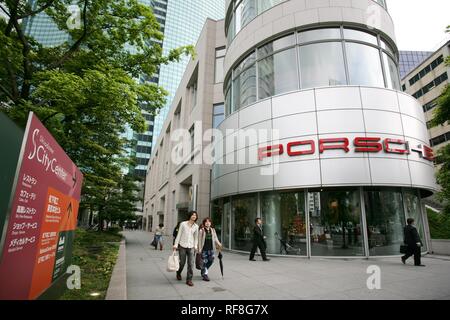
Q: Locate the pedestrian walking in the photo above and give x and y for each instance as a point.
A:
(259, 241)
(207, 241)
(412, 239)
(159, 231)
(187, 242)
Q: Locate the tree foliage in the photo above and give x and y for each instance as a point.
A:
(88, 89)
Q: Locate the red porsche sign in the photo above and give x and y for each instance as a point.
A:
(360, 144)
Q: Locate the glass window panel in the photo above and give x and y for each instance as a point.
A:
(264, 5)
(385, 221)
(277, 74)
(285, 225)
(231, 29)
(216, 216)
(276, 45)
(228, 100)
(364, 65)
(335, 223)
(226, 223)
(387, 47)
(219, 70)
(245, 12)
(319, 34)
(248, 61)
(322, 64)
(244, 215)
(350, 34)
(391, 71)
(413, 210)
(244, 88)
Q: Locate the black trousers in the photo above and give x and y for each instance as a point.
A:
(413, 251)
(262, 249)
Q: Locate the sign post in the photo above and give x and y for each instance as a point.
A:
(41, 216)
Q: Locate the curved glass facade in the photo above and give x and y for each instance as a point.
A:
(340, 222)
(332, 56)
(241, 12)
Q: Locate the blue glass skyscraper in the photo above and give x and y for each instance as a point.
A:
(184, 22)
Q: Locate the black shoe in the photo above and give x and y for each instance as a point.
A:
(252, 259)
(179, 277)
(419, 265)
(266, 259)
(403, 260)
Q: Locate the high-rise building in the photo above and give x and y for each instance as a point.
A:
(184, 22)
(411, 59)
(425, 82)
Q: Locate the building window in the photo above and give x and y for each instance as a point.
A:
(218, 73)
(218, 114)
(276, 72)
(336, 223)
(284, 216)
(243, 12)
(243, 220)
(322, 64)
(427, 69)
(191, 133)
(313, 58)
(364, 65)
(385, 220)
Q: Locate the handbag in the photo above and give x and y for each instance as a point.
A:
(154, 243)
(198, 261)
(403, 248)
(173, 263)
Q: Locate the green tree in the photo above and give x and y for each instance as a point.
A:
(86, 90)
(441, 115)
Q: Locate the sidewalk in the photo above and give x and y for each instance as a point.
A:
(280, 278)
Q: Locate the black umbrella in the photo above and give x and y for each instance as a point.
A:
(220, 262)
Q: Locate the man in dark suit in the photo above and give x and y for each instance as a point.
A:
(413, 241)
(258, 241)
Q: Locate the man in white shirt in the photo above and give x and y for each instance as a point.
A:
(186, 242)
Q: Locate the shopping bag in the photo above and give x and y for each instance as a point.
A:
(173, 263)
(403, 248)
(154, 243)
(198, 261)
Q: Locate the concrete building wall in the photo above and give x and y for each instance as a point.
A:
(166, 178)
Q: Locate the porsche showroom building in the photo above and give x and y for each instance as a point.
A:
(341, 156)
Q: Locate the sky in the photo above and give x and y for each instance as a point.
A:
(420, 24)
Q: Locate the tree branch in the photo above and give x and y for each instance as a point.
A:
(5, 91)
(27, 69)
(34, 12)
(77, 44)
(5, 11)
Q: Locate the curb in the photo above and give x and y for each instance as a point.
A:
(117, 289)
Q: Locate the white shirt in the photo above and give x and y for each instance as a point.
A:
(187, 236)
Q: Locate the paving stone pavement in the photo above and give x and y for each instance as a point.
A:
(281, 278)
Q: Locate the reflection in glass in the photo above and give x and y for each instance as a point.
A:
(391, 71)
(413, 210)
(284, 222)
(245, 12)
(264, 5)
(364, 65)
(385, 221)
(351, 34)
(216, 216)
(228, 101)
(335, 223)
(319, 34)
(322, 65)
(277, 74)
(244, 215)
(276, 45)
(245, 88)
(226, 222)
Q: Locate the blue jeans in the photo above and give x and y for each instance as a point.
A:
(208, 259)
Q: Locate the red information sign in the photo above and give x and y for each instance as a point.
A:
(43, 211)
